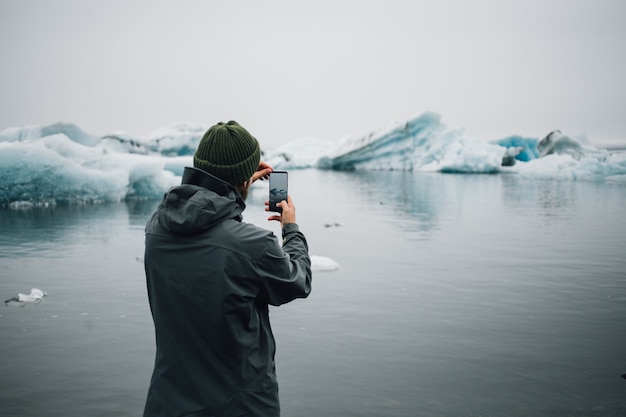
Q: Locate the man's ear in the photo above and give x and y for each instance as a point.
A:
(243, 189)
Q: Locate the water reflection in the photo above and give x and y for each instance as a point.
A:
(546, 198)
(139, 211)
(407, 199)
(40, 231)
(417, 203)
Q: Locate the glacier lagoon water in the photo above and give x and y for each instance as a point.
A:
(472, 295)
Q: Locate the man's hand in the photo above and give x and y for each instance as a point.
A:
(287, 216)
(262, 172)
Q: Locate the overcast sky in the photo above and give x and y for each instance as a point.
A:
(323, 68)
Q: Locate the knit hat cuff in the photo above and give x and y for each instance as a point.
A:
(233, 174)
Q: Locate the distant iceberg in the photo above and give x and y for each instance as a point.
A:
(425, 144)
(30, 133)
(420, 144)
(62, 164)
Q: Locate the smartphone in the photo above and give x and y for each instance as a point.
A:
(278, 189)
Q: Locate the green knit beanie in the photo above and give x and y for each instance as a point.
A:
(229, 152)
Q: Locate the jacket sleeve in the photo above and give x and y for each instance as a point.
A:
(286, 271)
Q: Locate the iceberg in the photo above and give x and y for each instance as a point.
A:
(420, 144)
(30, 133)
(424, 144)
(177, 139)
(62, 164)
(299, 154)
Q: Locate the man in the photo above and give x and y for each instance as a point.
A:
(210, 279)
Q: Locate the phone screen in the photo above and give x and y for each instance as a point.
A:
(278, 189)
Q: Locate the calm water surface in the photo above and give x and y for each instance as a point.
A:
(457, 295)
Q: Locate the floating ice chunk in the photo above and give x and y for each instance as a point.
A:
(335, 224)
(35, 296)
(321, 263)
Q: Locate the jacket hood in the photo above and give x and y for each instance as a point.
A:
(199, 203)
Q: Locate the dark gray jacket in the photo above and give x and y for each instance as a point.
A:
(210, 279)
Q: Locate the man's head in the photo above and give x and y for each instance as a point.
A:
(229, 152)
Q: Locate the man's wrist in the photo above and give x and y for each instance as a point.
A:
(290, 227)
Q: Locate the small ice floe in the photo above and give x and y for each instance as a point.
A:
(332, 224)
(321, 263)
(35, 296)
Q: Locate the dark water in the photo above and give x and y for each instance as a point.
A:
(457, 296)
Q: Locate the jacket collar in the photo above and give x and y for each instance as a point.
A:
(196, 176)
(201, 178)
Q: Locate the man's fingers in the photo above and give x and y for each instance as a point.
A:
(262, 174)
(263, 171)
